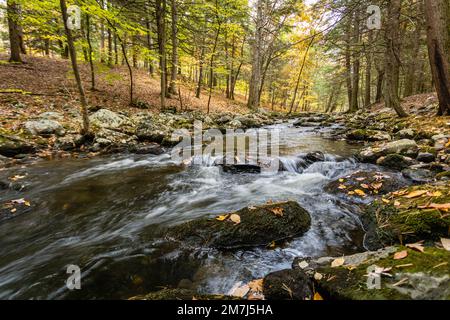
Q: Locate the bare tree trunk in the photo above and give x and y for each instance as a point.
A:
(174, 70)
(161, 26)
(255, 80)
(368, 92)
(211, 63)
(13, 12)
(393, 58)
(73, 58)
(348, 63)
(151, 67)
(200, 71)
(438, 40)
(354, 106)
(91, 63)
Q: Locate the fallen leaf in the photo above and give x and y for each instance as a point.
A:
(17, 177)
(338, 262)
(341, 180)
(235, 218)
(317, 296)
(446, 243)
(360, 179)
(360, 193)
(318, 276)
(437, 194)
(439, 206)
(385, 200)
(416, 246)
(27, 203)
(223, 217)
(415, 194)
(365, 186)
(303, 264)
(397, 203)
(272, 245)
(342, 187)
(400, 255)
(13, 210)
(377, 186)
(404, 265)
(18, 201)
(256, 285)
(241, 291)
(277, 211)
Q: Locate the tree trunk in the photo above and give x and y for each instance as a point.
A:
(73, 58)
(255, 80)
(354, 106)
(368, 92)
(392, 69)
(200, 71)
(348, 63)
(91, 63)
(161, 28)
(13, 12)
(174, 70)
(438, 37)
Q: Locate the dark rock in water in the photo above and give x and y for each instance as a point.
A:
(316, 156)
(371, 182)
(426, 157)
(241, 168)
(419, 175)
(288, 284)
(147, 149)
(394, 161)
(258, 226)
(10, 147)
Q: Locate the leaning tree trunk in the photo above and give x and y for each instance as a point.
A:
(392, 69)
(90, 58)
(255, 80)
(13, 13)
(438, 29)
(73, 57)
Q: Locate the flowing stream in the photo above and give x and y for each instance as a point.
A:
(97, 212)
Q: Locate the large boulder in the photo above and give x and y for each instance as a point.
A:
(148, 130)
(248, 227)
(395, 161)
(106, 119)
(378, 275)
(404, 147)
(44, 127)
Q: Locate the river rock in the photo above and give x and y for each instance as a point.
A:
(395, 161)
(289, 284)
(11, 146)
(240, 168)
(255, 226)
(69, 142)
(406, 134)
(107, 119)
(426, 157)
(44, 127)
(355, 277)
(154, 149)
(370, 182)
(315, 156)
(181, 294)
(224, 119)
(368, 135)
(418, 175)
(400, 146)
(148, 130)
(410, 219)
(52, 115)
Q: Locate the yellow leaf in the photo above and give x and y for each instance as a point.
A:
(272, 245)
(385, 200)
(415, 194)
(365, 186)
(317, 296)
(341, 180)
(223, 217)
(437, 194)
(360, 193)
(342, 187)
(27, 203)
(256, 285)
(338, 262)
(397, 203)
(235, 218)
(377, 186)
(400, 255)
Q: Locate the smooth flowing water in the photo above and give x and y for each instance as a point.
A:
(95, 213)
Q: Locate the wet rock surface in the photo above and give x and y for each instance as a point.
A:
(248, 227)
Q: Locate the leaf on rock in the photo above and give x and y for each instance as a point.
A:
(400, 255)
(377, 186)
(342, 187)
(338, 262)
(385, 200)
(365, 186)
(415, 194)
(223, 217)
(256, 285)
(235, 218)
(277, 211)
(360, 193)
(439, 206)
(241, 291)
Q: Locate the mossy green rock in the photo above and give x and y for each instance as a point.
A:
(258, 226)
(180, 294)
(408, 215)
(378, 276)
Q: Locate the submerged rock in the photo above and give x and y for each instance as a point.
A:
(248, 227)
(241, 168)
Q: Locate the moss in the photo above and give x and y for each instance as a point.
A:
(259, 226)
(401, 216)
(351, 283)
(445, 174)
(180, 294)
